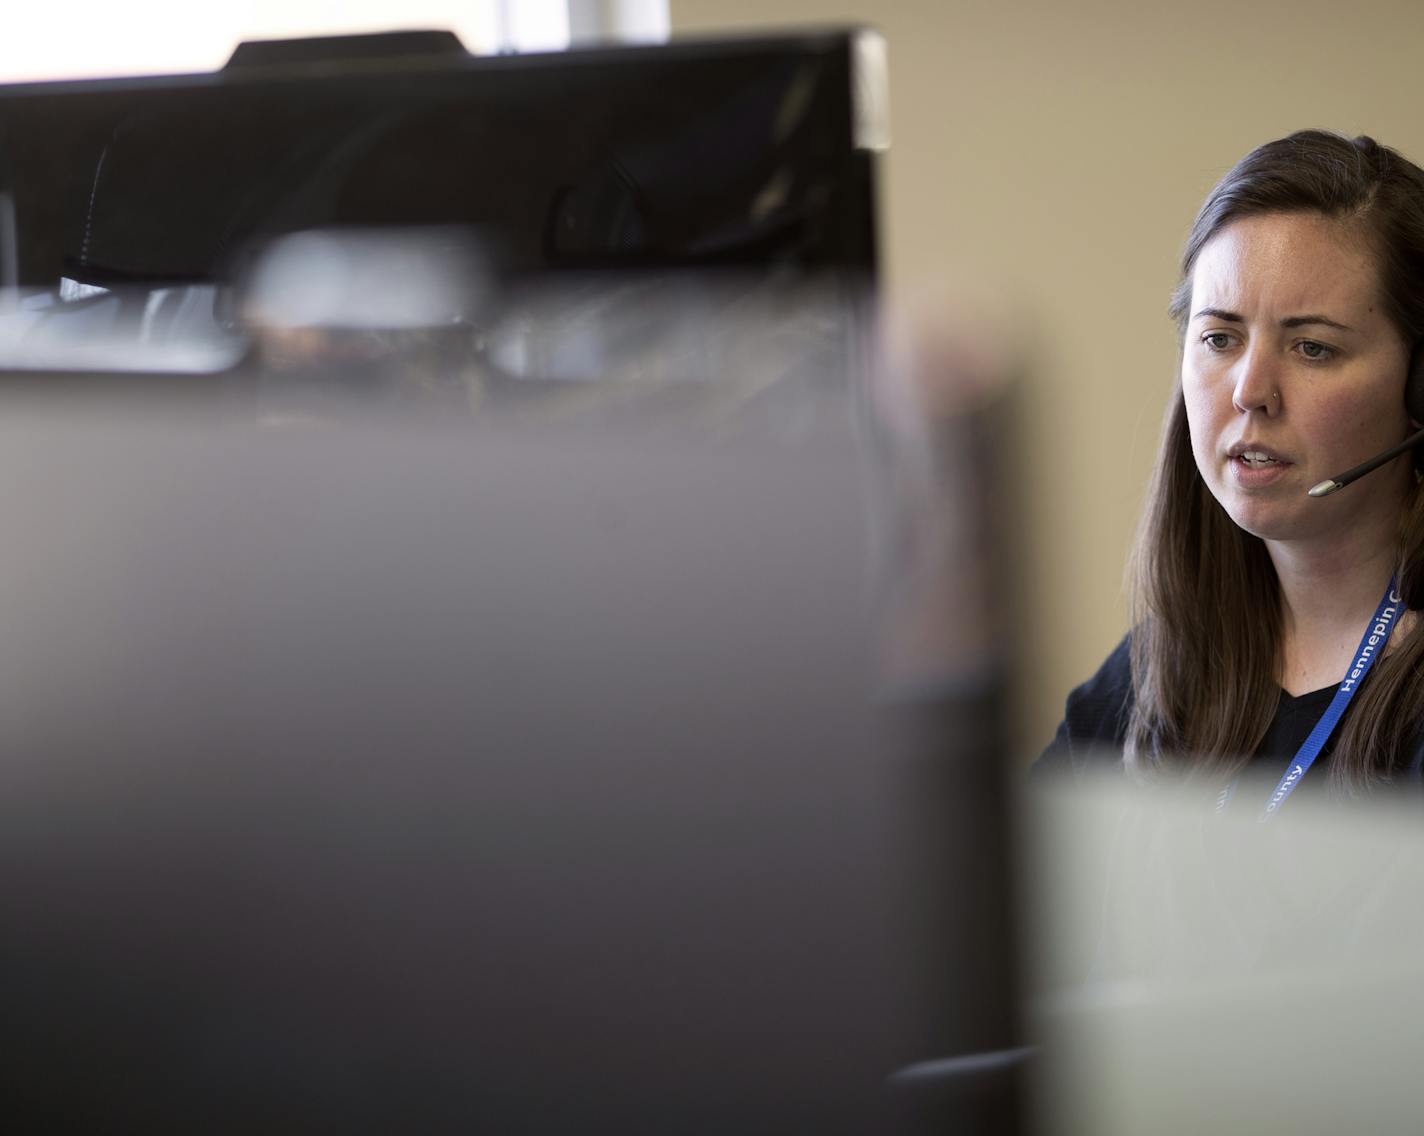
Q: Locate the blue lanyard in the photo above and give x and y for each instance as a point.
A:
(1371, 645)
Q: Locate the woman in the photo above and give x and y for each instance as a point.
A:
(1301, 306)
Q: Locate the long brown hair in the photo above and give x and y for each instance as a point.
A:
(1207, 612)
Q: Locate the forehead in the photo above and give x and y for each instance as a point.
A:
(1284, 264)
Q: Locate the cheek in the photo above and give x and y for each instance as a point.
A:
(1373, 421)
(1387, 411)
(1202, 414)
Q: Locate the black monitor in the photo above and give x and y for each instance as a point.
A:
(700, 154)
(164, 225)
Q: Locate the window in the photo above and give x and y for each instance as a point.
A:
(166, 36)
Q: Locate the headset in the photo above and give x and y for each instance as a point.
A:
(1414, 403)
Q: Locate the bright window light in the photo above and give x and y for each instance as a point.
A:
(148, 37)
(535, 25)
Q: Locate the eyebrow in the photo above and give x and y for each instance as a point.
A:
(1289, 321)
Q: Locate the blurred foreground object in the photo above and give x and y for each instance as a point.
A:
(1196, 972)
(464, 659)
(418, 777)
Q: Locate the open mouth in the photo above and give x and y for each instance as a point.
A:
(1255, 459)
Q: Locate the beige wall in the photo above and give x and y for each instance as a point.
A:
(1055, 153)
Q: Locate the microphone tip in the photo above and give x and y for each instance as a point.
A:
(1324, 489)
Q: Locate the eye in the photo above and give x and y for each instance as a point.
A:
(1315, 352)
(1216, 340)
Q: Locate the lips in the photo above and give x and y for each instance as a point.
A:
(1253, 455)
(1257, 468)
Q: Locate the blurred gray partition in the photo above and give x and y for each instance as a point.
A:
(435, 779)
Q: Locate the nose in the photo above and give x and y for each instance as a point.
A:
(1257, 384)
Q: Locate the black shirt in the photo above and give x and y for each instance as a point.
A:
(1094, 727)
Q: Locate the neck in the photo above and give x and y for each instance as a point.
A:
(1320, 592)
(1328, 593)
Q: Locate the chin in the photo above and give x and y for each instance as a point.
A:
(1267, 520)
(1281, 522)
(1266, 530)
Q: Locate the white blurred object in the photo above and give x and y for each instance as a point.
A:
(872, 91)
(79, 327)
(365, 279)
(1211, 974)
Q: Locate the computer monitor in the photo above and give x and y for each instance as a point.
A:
(586, 213)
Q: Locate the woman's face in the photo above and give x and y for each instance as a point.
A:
(1291, 374)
